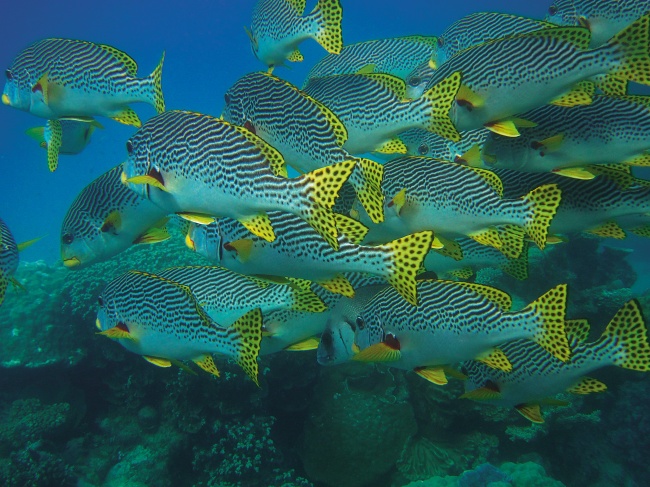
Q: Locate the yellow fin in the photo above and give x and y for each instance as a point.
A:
(128, 117)
(23, 245)
(550, 310)
(440, 100)
(642, 160)
(116, 333)
(435, 375)
(392, 146)
(128, 62)
(437, 244)
(43, 86)
(587, 385)
(394, 84)
(379, 352)
(398, 201)
(542, 203)
(112, 223)
(276, 160)
(310, 343)
(518, 267)
(609, 229)
(507, 128)
(531, 412)
(304, 299)
(367, 69)
(38, 134)
(550, 144)
(471, 157)
(523, 123)
(450, 248)
(243, 247)
(259, 225)
(641, 231)
(577, 330)
(468, 99)
(338, 285)
(153, 235)
(632, 45)
(489, 237)
(463, 274)
(366, 180)
(490, 178)
(156, 81)
(496, 359)
(454, 373)
(249, 329)
(328, 34)
(354, 231)
(296, 56)
(501, 298)
(207, 364)
(54, 144)
(482, 394)
(581, 94)
(157, 361)
(147, 179)
(629, 331)
(198, 218)
(575, 173)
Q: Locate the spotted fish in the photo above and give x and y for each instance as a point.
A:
(374, 108)
(537, 376)
(9, 258)
(57, 78)
(300, 252)
(454, 321)
(456, 200)
(202, 167)
(162, 320)
(420, 142)
(63, 137)
(279, 26)
(307, 134)
(105, 219)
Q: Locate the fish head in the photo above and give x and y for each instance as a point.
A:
(82, 241)
(417, 80)
(16, 91)
(206, 240)
(368, 328)
(563, 12)
(233, 110)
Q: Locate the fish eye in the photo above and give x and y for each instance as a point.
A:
(9, 75)
(415, 80)
(441, 41)
(100, 301)
(360, 323)
(423, 149)
(552, 10)
(129, 146)
(67, 238)
(226, 97)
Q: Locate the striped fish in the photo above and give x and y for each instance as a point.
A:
(57, 78)
(537, 376)
(279, 26)
(456, 200)
(162, 320)
(612, 129)
(455, 321)
(398, 56)
(307, 134)
(556, 59)
(9, 258)
(604, 18)
(471, 30)
(374, 109)
(63, 137)
(105, 219)
(201, 167)
(420, 142)
(300, 252)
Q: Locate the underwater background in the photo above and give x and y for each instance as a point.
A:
(76, 409)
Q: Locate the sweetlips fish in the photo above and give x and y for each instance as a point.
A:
(604, 18)
(374, 108)
(279, 26)
(307, 134)
(456, 320)
(300, 252)
(467, 150)
(610, 130)
(537, 376)
(398, 56)
(63, 136)
(64, 78)
(164, 322)
(105, 219)
(202, 167)
(456, 200)
(551, 66)
(9, 258)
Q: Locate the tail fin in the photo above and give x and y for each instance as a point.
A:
(366, 180)
(304, 299)
(329, 34)
(408, 255)
(155, 79)
(249, 331)
(633, 44)
(628, 335)
(542, 205)
(440, 100)
(550, 310)
(518, 267)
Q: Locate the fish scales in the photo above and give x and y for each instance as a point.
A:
(420, 142)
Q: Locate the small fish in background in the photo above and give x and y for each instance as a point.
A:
(536, 377)
(67, 78)
(107, 218)
(62, 136)
(604, 18)
(455, 320)
(467, 150)
(9, 258)
(163, 321)
(202, 167)
(279, 26)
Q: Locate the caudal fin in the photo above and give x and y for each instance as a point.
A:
(633, 46)
(627, 335)
(304, 299)
(248, 329)
(551, 333)
(366, 180)
(439, 101)
(155, 79)
(329, 34)
(542, 205)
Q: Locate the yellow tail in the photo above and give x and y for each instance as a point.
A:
(440, 99)
(366, 180)
(542, 204)
(628, 334)
(329, 16)
(155, 78)
(633, 44)
(551, 310)
(249, 331)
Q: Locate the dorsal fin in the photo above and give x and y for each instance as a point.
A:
(395, 85)
(490, 178)
(498, 297)
(578, 36)
(276, 161)
(298, 5)
(128, 62)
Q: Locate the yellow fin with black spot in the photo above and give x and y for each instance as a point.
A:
(366, 180)
(259, 225)
(581, 94)
(207, 364)
(587, 385)
(609, 229)
(328, 15)
(495, 359)
(482, 394)
(542, 203)
(353, 230)
(501, 298)
(632, 45)
(627, 333)
(550, 310)
(642, 160)
(440, 99)
(296, 56)
(392, 146)
(54, 144)
(249, 331)
(463, 274)
(518, 267)
(128, 117)
(450, 248)
(577, 330)
(338, 285)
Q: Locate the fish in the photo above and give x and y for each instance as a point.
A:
(307, 134)
(467, 150)
(300, 252)
(375, 126)
(62, 136)
(278, 27)
(9, 258)
(610, 130)
(163, 321)
(226, 295)
(536, 377)
(559, 59)
(398, 56)
(202, 167)
(107, 218)
(604, 18)
(64, 78)
(455, 200)
(456, 321)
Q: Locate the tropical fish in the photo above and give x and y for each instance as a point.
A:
(279, 26)
(105, 219)
(63, 137)
(300, 252)
(604, 18)
(202, 167)
(557, 59)
(456, 320)
(398, 56)
(420, 142)
(9, 258)
(537, 376)
(610, 130)
(456, 200)
(59, 78)
(375, 126)
(307, 134)
(162, 320)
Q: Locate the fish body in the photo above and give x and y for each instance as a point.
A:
(196, 164)
(420, 142)
(279, 26)
(8, 258)
(105, 219)
(162, 320)
(57, 78)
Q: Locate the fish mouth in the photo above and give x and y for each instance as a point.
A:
(5, 99)
(71, 262)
